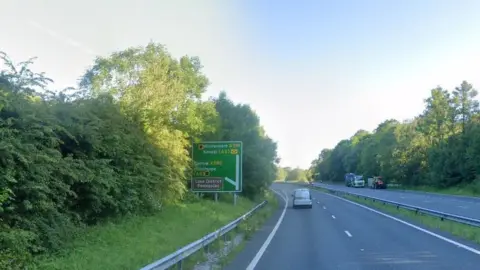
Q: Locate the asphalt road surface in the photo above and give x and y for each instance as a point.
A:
(338, 235)
(458, 205)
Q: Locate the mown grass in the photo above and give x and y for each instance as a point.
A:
(248, 228)
(461, 230)
(139, 240)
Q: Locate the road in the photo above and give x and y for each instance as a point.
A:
(339, 235)
(458, 205)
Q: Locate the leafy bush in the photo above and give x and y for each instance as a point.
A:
(115, 146)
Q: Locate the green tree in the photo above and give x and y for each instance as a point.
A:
(297, 174)
(117, 145)
(163, 95)
(438, 148)
(281, 173)
(240, 123)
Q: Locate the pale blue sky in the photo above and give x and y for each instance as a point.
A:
(315, 71)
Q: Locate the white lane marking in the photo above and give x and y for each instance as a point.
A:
(333, 217)
(324, 207)
(348, 233)
(412, 226)
(260, 252)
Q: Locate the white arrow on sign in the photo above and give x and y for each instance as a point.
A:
(235, 181)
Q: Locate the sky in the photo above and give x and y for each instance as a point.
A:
(314, 71)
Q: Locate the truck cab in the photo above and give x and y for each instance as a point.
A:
(349, 178)
(377, 182)
(358, 181)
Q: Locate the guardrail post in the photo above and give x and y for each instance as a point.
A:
(180, 265)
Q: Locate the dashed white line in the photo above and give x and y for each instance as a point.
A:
(333, 217)
(460, 245)
(348, 233)
(257, 257)
(324, 207)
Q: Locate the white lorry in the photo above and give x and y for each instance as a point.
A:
(358, 181)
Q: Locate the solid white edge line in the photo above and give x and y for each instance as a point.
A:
(460, 245)
(260, 252)
(348, 233)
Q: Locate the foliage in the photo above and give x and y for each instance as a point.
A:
(289, 174)
(281, 173)
(117, 145)
(438, 148)
(238, 122)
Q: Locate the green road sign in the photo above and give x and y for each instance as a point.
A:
(217, 166)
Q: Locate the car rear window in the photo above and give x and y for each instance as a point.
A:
(302, 194)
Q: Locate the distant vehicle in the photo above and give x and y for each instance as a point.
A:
(349, 178)
(302, 198)
(358, 181)
(352, 180)
(377, 183)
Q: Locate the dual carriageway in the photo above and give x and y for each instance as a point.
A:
(343, 235)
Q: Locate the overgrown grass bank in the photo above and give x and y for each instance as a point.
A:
(112, 147)
(463, 231)
(140, 240)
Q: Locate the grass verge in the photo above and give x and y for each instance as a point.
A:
(471, 190)
(460, 230)
(252, 225)
(136, 241)
(223, 249)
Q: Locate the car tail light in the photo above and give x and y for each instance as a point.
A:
(380, 182)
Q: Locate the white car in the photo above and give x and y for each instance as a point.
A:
(302, 198)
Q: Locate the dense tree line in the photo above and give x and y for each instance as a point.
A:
(439, 148)
(289, 174)
(115, 145)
